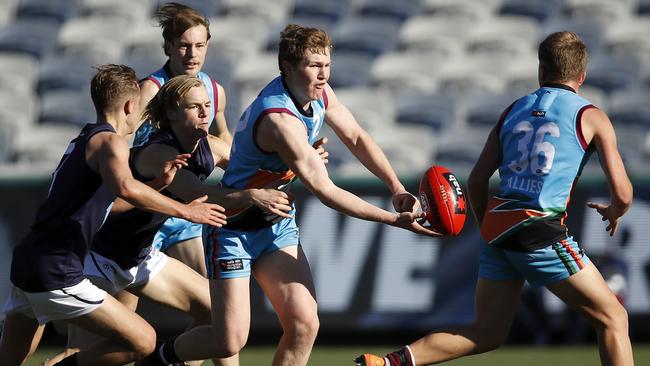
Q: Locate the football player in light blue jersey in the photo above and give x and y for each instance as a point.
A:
(273, 145)
(539, 147)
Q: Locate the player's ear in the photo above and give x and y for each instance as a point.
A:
(129, 106)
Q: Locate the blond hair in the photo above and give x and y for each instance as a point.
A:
(296, 39)
(167, 98)
(111, 86)
(563, 57)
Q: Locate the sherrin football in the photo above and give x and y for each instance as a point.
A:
(443, 200)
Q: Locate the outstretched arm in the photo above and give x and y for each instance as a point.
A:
(187, 186)
(108, 153)
(285, 135)
(362, 145)
(597, 128)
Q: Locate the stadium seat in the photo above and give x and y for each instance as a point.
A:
(144, 64)
(408, 70)
(470, 74)
(66, 72)
(370, 35)
(273, 12)
(629, 38)
(506, 37)
(56, 10)
(435, 34)
(459, 149)
(610, 73)
(630, 107)
(600, 11)
(371, 107)
(319, 22)
(643, 7)
(334, 10)
(18, 73)
(350, 69)
(471, 10)
(241, 37)
(540, 10)
(33, 37)
(18, 109)
(44, 144)
(135, 11)
(219, 65)
(595, 95)
(589, 31)
(396, 10)
(99, 35)
(433, 110)
(67, 107)
(144, 39)
(482, 110)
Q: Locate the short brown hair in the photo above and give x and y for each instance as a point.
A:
(169, 96)
(563, 57)
(175, 19)
(112, 85)
(295, 40)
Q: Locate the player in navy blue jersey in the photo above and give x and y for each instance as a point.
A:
(47, 266)
(122, 256)
(539, 146)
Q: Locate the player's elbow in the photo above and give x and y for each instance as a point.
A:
(126, 191)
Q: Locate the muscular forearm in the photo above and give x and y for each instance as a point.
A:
(373, 158)
(349, 204)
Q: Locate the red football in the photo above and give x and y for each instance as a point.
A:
(443, 200)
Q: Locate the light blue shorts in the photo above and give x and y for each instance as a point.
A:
(540, 267)
(174, 231)
(230, 253)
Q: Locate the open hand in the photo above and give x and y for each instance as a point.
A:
(608, 213)
(201, 212)
(273, 201)
(169, 170)
(409, 221)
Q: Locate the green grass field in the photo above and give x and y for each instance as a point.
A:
(508, 356)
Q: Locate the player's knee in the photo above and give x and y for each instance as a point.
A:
(614, 318)
(144, 343)
(305, 327)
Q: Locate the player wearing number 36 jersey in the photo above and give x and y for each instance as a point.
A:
(543, 153)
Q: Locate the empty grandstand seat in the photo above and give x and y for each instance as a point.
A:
(18, 73)
(144, 64)
(18, 109)
(350, 69)
(219, 66)
(240, 36)
(100, 35)
(630, 107)
(540, 10)
(57, 10)
(477, 73)
(67, 107)
(398, 10)
(433, 110)
(505, 32)
(610, 73)
(459, 149)
(334, 10)
(595, 95)
(468, 9)
(144, 38)
(436, 34)
(601, 11)
(273, 12)
(61, 72)
(408, 70)
(629, 38)
(371, 107)
(135, 11)
(33, 37)
(45, 143)
(369, 35)
(589, 31)
(482, 110)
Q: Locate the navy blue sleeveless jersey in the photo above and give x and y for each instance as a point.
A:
(126, 238)
(52, 255)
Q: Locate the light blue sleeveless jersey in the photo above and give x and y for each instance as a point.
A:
(543, 152)
(250, 166)
(160, 77)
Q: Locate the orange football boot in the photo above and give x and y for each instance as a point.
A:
(368, 359)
